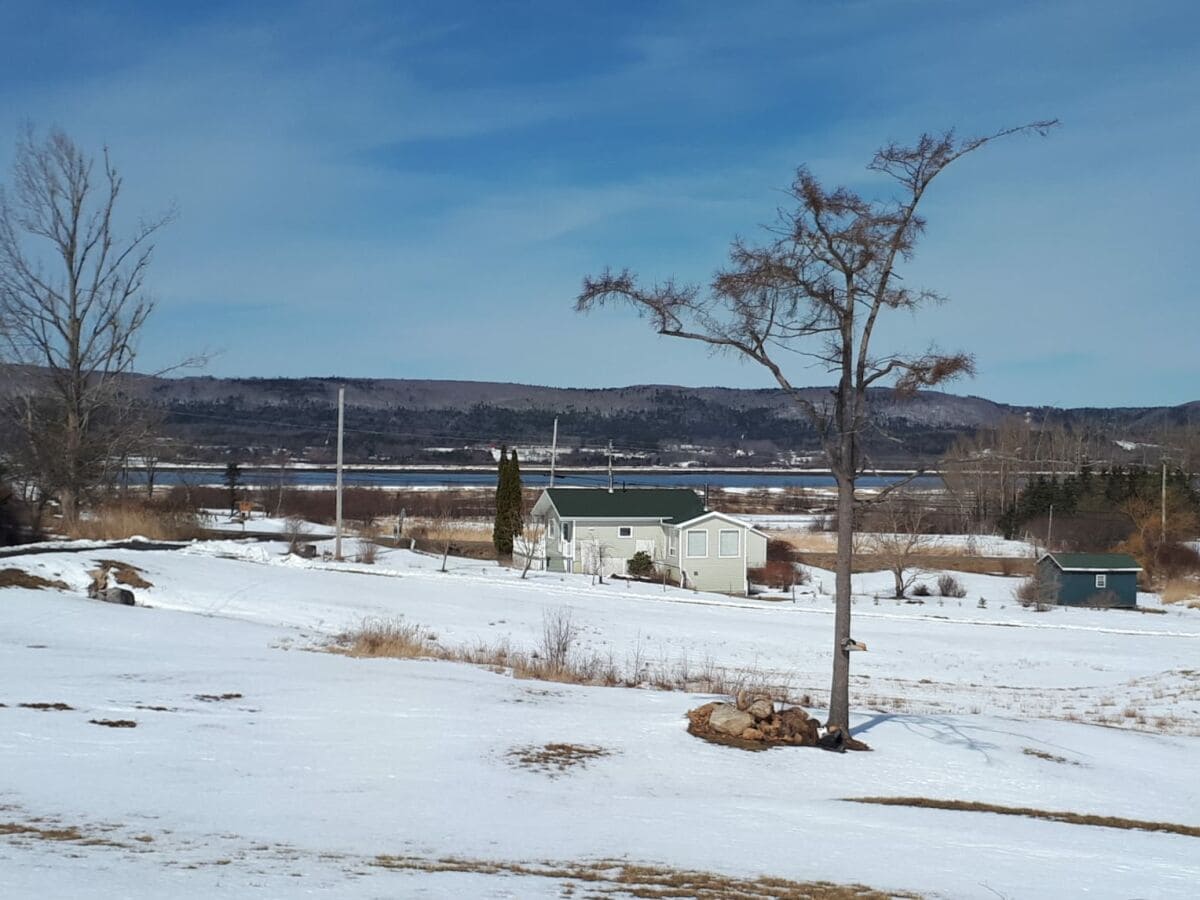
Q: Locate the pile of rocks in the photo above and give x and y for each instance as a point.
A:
(753, 723)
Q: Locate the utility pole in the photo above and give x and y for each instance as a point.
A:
(553, 450)
(1163, 537)
(337, 541)
(610, 477)
(1050, 528)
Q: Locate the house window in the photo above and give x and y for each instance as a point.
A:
(697, 543)
(566, 531)
(552, 528)
(1101, 581)
(625, 531)
(729, 544)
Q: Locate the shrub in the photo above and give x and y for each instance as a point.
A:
(1039, 591)
(778, 575)
(1180, 590)
(780, 551)
(366, 552)
(921, 589)
(640, 565)
(949, 586)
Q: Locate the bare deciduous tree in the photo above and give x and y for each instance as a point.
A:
(595, 554)
(899, 523)
(72, 305)
(528, 545)
(816, 292)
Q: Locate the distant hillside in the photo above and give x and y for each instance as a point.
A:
(402, 420)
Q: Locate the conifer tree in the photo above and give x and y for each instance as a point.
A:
(501, 533)
(516, 518)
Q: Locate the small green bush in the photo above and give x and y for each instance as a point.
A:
(640, 565)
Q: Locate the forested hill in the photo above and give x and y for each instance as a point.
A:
(401, 419)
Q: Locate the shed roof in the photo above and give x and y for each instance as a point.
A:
(1094, 562)
(669, 504)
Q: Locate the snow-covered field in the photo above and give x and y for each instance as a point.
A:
(324, 762)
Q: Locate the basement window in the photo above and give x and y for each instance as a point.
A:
(1101, 581)
(625, 531)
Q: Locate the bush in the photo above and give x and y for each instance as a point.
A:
(1038, 591)
(921, 589)
(949, 586)
(640, 565)
(778, 575)
(780, 551)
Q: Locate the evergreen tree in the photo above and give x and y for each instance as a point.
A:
(233, 477)
(516, 517)
(501, 530)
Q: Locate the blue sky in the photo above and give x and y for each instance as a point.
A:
(416, 189)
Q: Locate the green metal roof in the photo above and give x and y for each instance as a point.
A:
(1089, 562)
(670, 504)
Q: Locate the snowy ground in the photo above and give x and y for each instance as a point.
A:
(325, 762)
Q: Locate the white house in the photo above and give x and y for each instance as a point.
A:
(596, 529)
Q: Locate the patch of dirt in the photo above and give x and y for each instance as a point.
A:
(1068, 818)
(59, 707)
(554, 759)
(217, 698)
(1049, 757)
(114, 723)
(124, 573)
(154, 708)
(22, 579)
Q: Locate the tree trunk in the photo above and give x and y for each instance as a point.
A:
(898, 575)
(839, 693)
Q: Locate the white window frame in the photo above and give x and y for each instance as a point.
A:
(737, 535)
(553, 530)
(1102, 581)
(687, 549)
(624, 531)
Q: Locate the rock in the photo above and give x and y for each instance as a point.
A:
(752, 734)
(699, 716)
(834, 740)
(117, 595)
(762, 708)
(729, 720)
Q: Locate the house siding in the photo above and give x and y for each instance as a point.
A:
(1079, 588)
(726, 575)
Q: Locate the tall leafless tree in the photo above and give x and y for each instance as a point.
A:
(816, 292)
(72, 305)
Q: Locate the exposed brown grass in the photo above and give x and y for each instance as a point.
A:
(1181, 590)
(388, 638)
(948, 559)
(647, 881)
(47, 707)
(1068, 818)
(557, 660)
(21, 579)
(108, 523)
(554, 759)
(1049, 757)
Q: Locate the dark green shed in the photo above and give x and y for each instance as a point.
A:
(1090, 579)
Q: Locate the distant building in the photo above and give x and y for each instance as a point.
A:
(1091, 579)
(587, 528)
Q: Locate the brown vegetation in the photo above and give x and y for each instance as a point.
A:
(22, 579)
(647, 881)
(120, 521)
(554, 759)
(124, 573)
(1068, 818)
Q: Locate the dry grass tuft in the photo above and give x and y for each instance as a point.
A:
(109, 523)
(1181, 590)
(554, 759)
(647, 881)
(21, 579)
(1068, 818)
(386, 638)
(47, 707)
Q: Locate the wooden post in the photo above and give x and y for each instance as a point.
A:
(337, 540)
